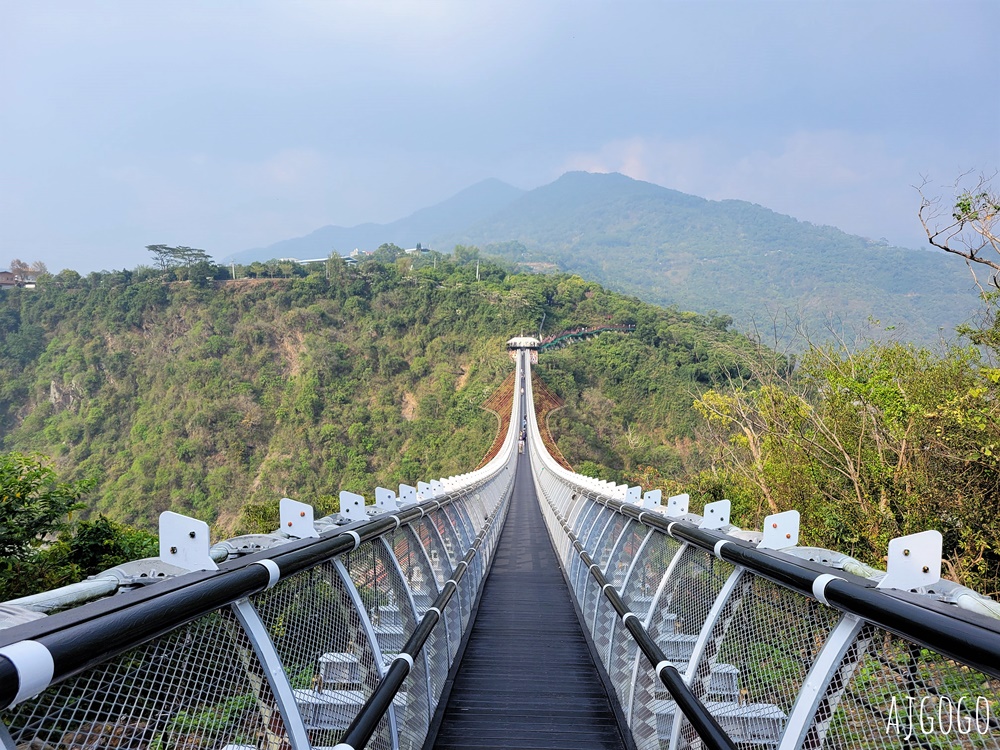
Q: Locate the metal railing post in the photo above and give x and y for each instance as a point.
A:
(369, 630)
(416, 619)
(275, 673)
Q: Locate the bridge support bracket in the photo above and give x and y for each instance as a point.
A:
(184, 542)
(914, 561)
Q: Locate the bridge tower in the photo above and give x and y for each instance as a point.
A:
(530, 343)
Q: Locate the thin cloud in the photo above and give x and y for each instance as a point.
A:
(235, 124)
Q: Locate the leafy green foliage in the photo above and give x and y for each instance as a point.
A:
(34, 507)
(218, 401)
(102, 543)
(871, 444)
(32, 503)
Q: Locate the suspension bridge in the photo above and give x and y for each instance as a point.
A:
(519, 605)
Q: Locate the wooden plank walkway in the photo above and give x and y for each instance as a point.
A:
(527, 679)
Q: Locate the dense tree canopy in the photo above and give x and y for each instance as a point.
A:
(210, 400)
(216, 399)
(40, 545)
(878, 439)
(33, 504)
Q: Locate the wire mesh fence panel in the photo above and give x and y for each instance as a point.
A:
(384, 596)
(393, 621)
(438, 659)
(601, 553)
(479, 509)
(579, 504)
(594, 523)
(899, 694)
(486, 550)
(411, 708)
(639, 595)
(321, 640)
(565, 551)
(453, 624)
(461, 508)
(467, 595)
(604, 616)
(453, 547)
(644, 575)
(459, 517)
(430, 540)
(460, 523)
(496, 526)
(416, 569)
(648, 572)
(201, 686)
(619, 563)
(415, 564)
(466, 509)
(568, 500)
(589, 542)
(755, 663)
(681, 605)
(455, 551)
(587, 519)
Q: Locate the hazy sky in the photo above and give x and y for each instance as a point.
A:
(229, 125)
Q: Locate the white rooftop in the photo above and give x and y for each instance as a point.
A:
(524, 342)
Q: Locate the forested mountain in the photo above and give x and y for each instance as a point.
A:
(735, 257)
(202, 398)
(670, 248)
(461, 210)
(216, 398)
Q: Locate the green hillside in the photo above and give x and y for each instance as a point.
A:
(735, 257)
(203, 398)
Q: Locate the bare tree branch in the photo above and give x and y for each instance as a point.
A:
(971, 227)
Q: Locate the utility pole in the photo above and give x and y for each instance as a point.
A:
(477, 270)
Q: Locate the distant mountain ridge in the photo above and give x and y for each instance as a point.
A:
(463, 209)
(671, 248)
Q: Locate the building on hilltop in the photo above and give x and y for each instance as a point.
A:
(11, 280)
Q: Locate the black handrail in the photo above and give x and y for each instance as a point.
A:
(93, 633)
(971, 639)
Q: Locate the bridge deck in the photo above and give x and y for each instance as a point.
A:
(527, 679)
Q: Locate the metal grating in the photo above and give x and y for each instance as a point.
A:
(899, 694)
(327, 654)
(755, 662)
(601, 553)
(200, 686)
(416, 570)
